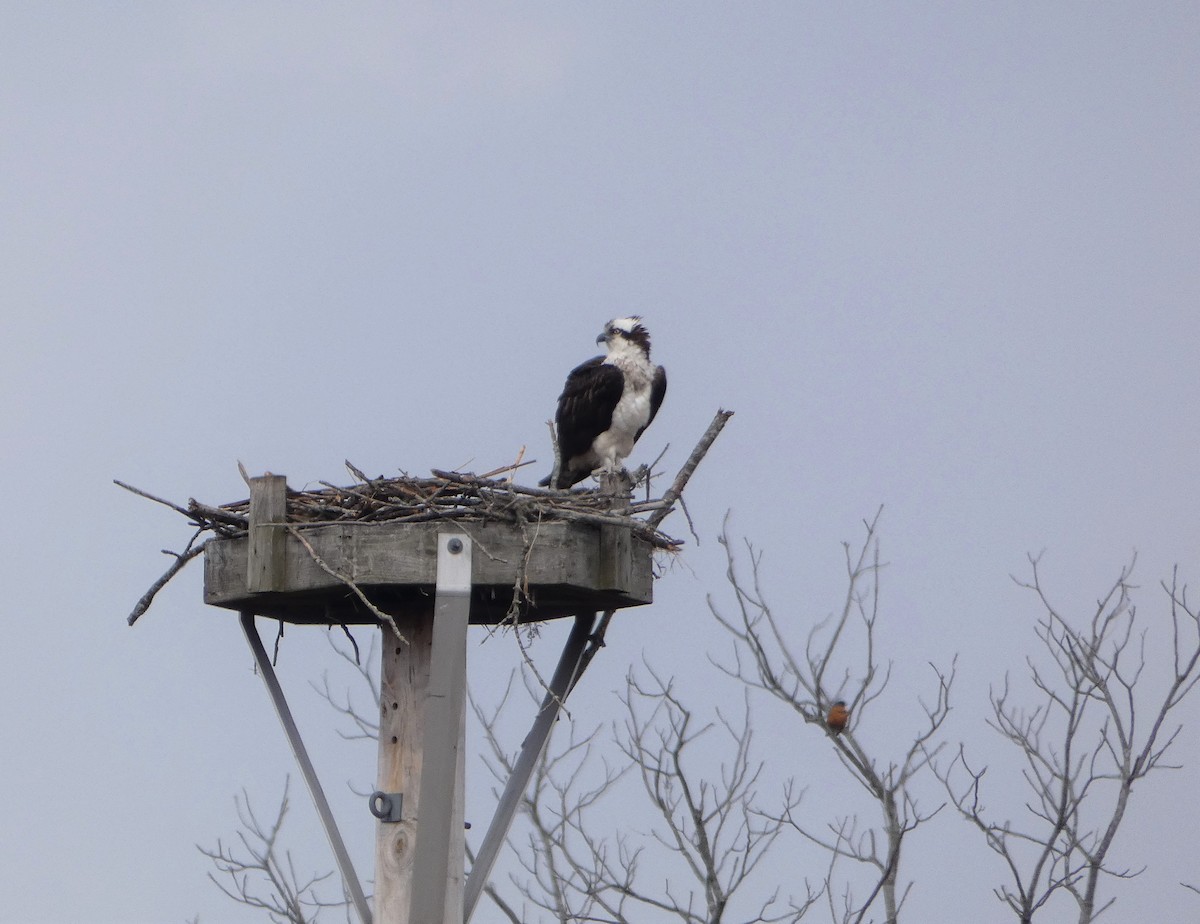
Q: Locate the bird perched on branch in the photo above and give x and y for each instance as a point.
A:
(838, 716)
(607, 403)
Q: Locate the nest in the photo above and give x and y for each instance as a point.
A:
(445, 495)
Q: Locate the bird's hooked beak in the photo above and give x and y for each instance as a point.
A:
(603, 338)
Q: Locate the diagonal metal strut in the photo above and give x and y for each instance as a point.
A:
(349, 878)
(531, 751)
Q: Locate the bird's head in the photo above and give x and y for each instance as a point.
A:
(624, 332)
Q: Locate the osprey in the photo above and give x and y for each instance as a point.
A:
(607, 402)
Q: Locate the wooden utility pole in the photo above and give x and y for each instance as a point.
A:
(404, 683)
(404, 680)
(422, 728)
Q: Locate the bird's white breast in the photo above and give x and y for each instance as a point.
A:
(631, 413)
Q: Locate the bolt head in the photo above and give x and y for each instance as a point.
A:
(455, 546)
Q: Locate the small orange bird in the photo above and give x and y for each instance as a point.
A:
(838, 716)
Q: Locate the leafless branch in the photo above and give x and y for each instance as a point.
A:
(181, 559)
(365, 724)
(839, 662)
(574, 868)
(262, 875)
(1083, 745)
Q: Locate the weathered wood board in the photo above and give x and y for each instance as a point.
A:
(567, 567)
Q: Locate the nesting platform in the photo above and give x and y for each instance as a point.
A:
(315, 573)
(400, 551)
(567, 568)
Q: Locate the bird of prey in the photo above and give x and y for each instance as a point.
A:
(607, 403)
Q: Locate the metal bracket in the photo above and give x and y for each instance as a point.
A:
(349, 878)
(445, 698)
(387, 806)
(561, 684)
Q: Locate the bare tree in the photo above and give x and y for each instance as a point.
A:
(704, 829)
(262, 874)
(560, 875)
(839, 664)
(705, 834)
(1096, 729)
(362, 721)
(711, 829)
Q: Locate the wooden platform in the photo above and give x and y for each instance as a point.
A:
(567, 568)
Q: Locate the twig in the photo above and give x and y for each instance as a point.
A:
(146, 494)
(200, 511)
(356, 472)
(482, 481)
(557, 470)
(685, 473)
(181, 559)
(346, 630)
(688, 516)
(511, 467)
(379, 614)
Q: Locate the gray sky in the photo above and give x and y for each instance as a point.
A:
(938, 257)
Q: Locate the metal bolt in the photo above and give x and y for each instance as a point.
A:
(455, 546)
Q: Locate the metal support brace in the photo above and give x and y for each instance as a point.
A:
(531, 751)
(443, 726)
(349, 878)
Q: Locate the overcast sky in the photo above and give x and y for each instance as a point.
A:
(939, 257)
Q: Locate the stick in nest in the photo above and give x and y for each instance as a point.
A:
(181, 559)
(379, 614)
(689, 467)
